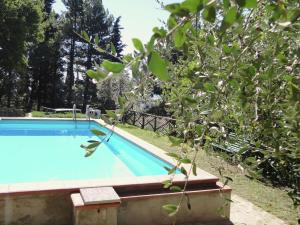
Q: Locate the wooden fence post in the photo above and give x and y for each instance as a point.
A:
(155, 123)
(133, 118)
(143, 120)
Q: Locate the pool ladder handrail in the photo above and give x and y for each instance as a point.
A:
(74, 112)
(87, 113)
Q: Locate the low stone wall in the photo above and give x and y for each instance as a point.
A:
(36, 209)
(57, 209)
(11, 112)
(205, 208)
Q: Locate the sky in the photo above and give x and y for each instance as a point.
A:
(138, 17)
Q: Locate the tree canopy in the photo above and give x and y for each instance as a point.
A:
(42, 58)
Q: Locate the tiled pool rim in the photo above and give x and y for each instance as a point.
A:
(143, 181)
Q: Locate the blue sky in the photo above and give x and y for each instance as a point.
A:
(138, 17)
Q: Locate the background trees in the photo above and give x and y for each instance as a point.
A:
(20, 28)
(43, 59)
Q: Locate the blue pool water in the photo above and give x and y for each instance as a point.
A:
(39, 150)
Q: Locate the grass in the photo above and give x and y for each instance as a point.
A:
(271, 199)
(56, 115)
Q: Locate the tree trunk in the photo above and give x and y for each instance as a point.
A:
(87, 78)
(70, 73)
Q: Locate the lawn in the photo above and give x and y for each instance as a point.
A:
(56, 115)
(273, 200)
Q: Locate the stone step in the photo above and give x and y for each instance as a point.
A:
(95, 206)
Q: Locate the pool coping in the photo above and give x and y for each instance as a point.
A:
(202, 177)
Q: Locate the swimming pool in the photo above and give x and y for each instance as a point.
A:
(49, 150)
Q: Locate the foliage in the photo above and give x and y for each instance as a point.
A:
(20, 28)
(43, 61)
(271, 199)
(230, 66)
(45, 72)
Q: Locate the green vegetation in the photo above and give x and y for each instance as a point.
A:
(38, 46)
(271, 199)
(56, 115)
(226, 68)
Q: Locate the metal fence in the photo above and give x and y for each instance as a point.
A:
(164, 125)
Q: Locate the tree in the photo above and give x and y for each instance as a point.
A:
(72, 26)
(97, 23)
(20, 28)
(116, 37)
(236, 70)
(45, 66)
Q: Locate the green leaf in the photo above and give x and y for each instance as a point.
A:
(175, 141)
(97, 132)
(226, 4)
(167, 183)
(199, 129)
(158, 67)
(176, 9)
(230, 16)
(171, 209)
(227, 50)
(85, 36)
(111, 114)
(97, 75)
(209, 87)
(229, 178)
(89, 152)
(209, 14)
(288, 78)
(97, 39)
(193, 6)
(150, 44)
(114, 67)
(113, 49)
(186, 161)
(194, 169)
(173, 155)
(138, 45)
(171, 22)
(175, 189)
(159, 32)
(170, 170)
(173, 8)
(183, 171)
(93, 145)
(247, 3)
(121, 101)
(251, 4)
(179, 37)
(92, 141)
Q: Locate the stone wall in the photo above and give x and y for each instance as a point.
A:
(57, 209)
(37, 209)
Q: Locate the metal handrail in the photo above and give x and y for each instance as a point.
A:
(74, 112)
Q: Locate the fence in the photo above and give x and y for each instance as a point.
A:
(164, 125)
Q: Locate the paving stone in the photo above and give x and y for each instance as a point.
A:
(99, 195)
